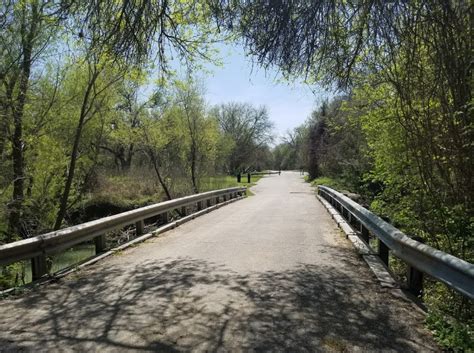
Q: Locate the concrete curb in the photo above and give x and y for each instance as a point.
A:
(376, 265)
(378, 268)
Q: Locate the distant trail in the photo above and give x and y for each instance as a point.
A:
(268, 273)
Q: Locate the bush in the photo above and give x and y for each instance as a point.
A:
(451, 333)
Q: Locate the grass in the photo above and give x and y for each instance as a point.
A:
(126, 191)
(451, 334)
(131, 191)
(331, 183)
(227, 181)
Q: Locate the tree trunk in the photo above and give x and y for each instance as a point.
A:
(125, 158)
(158, 174)
(3, 128)
(193, 168)
(129, 157)
(15, 207)
(75, 151)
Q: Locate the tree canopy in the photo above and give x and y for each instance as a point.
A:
(77, 129)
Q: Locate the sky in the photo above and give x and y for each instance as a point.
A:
(288, 104)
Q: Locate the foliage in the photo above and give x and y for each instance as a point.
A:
(330, 143)
(292, 152)
(228, 181)
(450, 333)
(248, 130)
(60, 67)
(329, 182)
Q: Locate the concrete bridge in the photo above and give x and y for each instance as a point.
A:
(272, 272)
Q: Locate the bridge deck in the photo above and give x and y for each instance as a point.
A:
(269, 273)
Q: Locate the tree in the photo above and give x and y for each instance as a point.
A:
(120, 141)
(292, 153)
(136, 31)
(126, 32)
(192, 110)
(158, 145)
(98, 81)
(317, 147)
(25, 32)
(248, 128)
(180, 138)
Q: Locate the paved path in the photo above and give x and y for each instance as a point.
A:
(268, 273)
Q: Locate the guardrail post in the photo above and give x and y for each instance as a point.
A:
(383, 252)
(139, 227)
(248, 177)
(208, 203)
(238, 177)
(165, 217)
(184, 211)
(100, 244)
(217, 200)
(224, 197)
(415, 277)
(199, 205)
(415, 281)
(38, 267)
(364, 233)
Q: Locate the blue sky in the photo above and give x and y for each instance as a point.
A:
(288, 104)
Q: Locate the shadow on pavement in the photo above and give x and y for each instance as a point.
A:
(184, 304)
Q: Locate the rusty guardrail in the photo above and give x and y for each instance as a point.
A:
(38, 247)
(421, 258)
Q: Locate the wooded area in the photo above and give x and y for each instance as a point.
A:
(76, 131)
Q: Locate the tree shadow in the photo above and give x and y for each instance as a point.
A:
(184, 304)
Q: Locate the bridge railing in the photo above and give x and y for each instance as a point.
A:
(420, 258)
(38, 247)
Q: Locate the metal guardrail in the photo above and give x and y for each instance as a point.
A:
(421, 258)
(38, 247)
